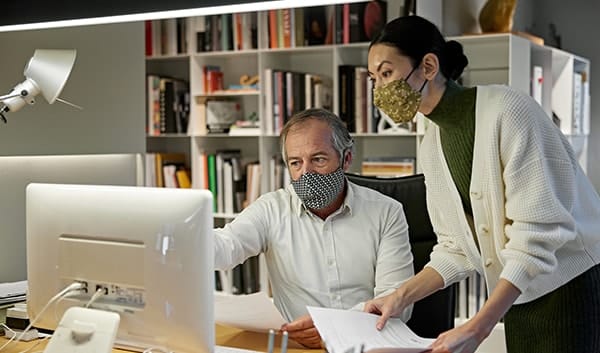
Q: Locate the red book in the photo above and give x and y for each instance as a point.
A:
(287, 28)
(273, 38)
(346, 24)
(148, 37)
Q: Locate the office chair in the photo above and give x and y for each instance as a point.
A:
(434, 314)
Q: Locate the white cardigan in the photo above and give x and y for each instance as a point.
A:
(535, 214)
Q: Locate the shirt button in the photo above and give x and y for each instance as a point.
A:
(338, 297)
(488, 262)
(331, 262)
(483, 229)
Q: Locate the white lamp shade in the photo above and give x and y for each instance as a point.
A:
(50, 69)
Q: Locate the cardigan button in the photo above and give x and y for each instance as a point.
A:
(488, 262)
(483, 229)
(476, 194)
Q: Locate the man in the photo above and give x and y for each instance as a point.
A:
(327, 242)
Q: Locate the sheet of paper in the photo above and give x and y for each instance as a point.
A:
(252, 312)
(343, 330)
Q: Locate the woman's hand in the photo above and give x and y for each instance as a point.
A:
(463, 339)
(387, 306)
(467, 337)
(424, 283)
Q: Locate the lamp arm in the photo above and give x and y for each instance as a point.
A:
(23, 93)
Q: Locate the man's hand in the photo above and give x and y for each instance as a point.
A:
(303, 331)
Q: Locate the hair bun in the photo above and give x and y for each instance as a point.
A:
(455, 59)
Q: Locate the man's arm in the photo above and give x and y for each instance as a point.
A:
(394, 258)
(242, 238)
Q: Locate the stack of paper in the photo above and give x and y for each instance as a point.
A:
(343, 330)
(12, 292)
(252, 312)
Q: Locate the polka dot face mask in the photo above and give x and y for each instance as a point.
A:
(318, 191)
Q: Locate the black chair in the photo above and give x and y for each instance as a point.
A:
(434, 314)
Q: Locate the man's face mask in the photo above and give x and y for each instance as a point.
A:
(398, 100)
(318, 191)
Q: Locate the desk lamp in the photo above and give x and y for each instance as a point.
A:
(46, 72)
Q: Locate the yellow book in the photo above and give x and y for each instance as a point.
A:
(183, 179)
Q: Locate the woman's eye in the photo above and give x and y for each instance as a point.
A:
(386, 74)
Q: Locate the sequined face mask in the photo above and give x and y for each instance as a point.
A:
(318, 191)
(398, 100)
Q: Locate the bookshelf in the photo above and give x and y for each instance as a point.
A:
(493, 58)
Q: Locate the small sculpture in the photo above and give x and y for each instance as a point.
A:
(497, 16)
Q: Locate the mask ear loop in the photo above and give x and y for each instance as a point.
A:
(423, 86)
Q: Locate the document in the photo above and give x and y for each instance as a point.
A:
(251, 312)
(349, 331)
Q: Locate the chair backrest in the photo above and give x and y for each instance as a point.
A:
(434, 314)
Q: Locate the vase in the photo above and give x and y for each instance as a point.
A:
(497, 16)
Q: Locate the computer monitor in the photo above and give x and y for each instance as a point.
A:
(149, 249)
(16, 172)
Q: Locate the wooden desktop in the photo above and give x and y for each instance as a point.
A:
(224, 336)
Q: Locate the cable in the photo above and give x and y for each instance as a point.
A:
(35, 344)
(66, 290)
(156, 349)
(94, 297)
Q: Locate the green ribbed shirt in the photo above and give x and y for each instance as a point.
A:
(455, 117)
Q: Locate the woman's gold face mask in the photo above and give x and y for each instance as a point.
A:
(398, 100)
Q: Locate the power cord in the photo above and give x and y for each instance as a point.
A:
(156, 349)
(65, 291)
(94, 297)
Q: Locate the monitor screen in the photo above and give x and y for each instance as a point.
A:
(150, 250)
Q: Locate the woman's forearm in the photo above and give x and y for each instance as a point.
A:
(424, 283)
(498, 303)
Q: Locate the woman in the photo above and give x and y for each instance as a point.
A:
(506, 197)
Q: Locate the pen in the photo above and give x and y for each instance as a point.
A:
(271, 340)
(284, 342)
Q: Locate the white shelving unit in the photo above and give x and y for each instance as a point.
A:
(510, 59)
(495, 58)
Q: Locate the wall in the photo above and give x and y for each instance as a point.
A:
(107, 80)
(577, 23)
(462, 16)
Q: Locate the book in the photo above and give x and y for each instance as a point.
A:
(164, 159)
(537, 80)
(315, 24)
(388, 166)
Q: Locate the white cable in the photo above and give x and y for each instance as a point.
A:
(35, 344)
(94, 297)
(156, 349)
(7, 328)
(69, 288)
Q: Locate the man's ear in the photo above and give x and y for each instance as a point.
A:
(347, 161)
(430, 65)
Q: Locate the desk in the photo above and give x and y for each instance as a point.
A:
(224, 336)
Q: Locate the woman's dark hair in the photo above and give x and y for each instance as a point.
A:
(415, 37)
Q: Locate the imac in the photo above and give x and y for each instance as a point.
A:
(148, 251)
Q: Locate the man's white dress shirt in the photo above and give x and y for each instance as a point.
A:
(360, 251)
